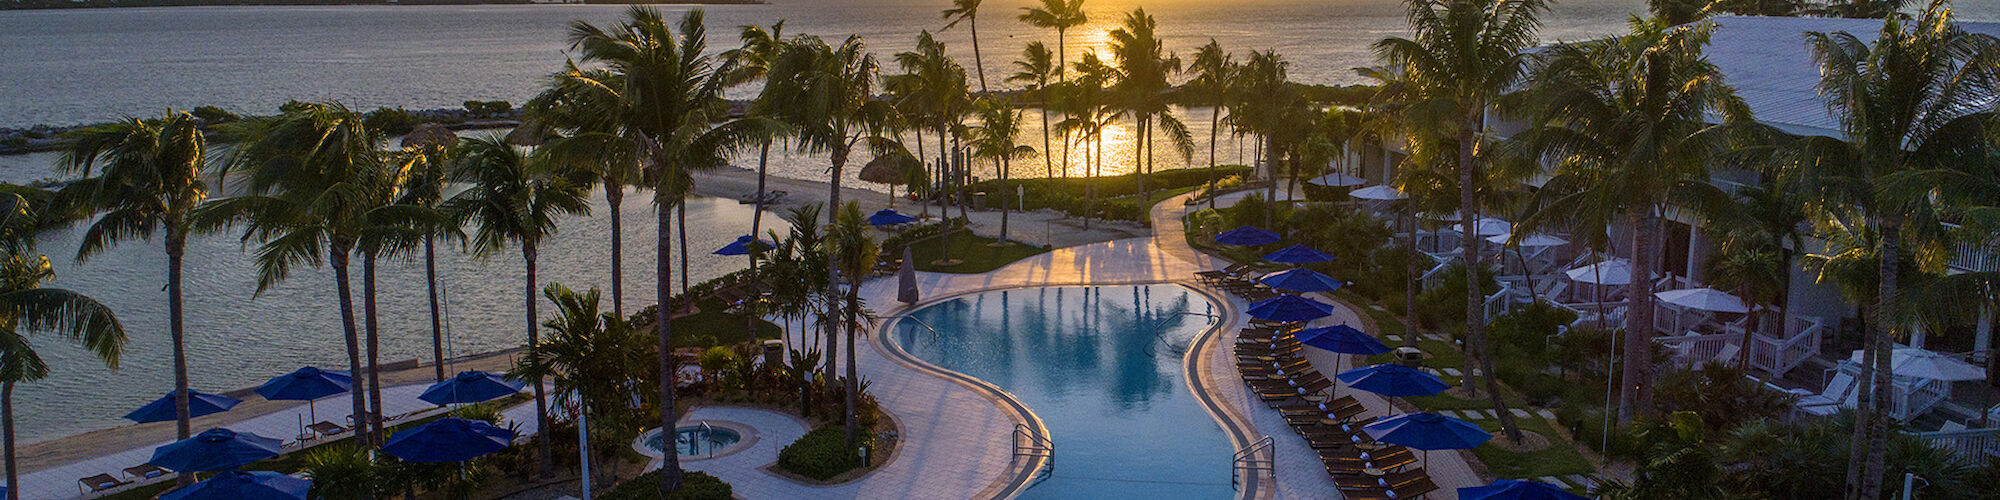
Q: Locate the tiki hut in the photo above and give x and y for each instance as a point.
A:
(892, 169)
(429, 134)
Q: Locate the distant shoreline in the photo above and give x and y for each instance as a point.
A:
(114, 4)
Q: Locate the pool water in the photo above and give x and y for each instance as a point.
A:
(697, 441)
(1102, 368)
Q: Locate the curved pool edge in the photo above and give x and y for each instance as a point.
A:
(1235, 425)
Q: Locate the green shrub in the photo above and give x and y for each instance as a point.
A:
(390, 121)
(486, 109)
(694, 486)
(210, 115)
(821, 454)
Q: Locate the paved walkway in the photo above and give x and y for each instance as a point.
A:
(61, 482)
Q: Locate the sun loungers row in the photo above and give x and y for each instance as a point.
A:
(101, 483)
(1239, 280)
(1271, 365)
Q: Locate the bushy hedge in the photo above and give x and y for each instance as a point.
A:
(892, 247)
(391, 121)
(694, 486)
(1068, 195)
(821, 454)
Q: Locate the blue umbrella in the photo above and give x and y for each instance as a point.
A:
(449, 439)
(889, 217)
(199, 403)
(306, 384)
(742, 246)
(1290, 308)
(1341, 339)
(1393, 380)
(470, 387)
(1298, 254)
(1427, 431)
(1301, 280)
(1247, 236)
(239, 485)
(215, 449)
(1511, 489)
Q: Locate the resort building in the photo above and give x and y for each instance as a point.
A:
(1767, 61)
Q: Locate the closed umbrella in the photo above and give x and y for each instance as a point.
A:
(215, 449)
(1301, 280)
(1290, 308)
(1337, 179)
(1298, 254)
(1514, 489)
(449, 439)
(1247, 236)
(889, 217)
(1706, 299)
(1608, 273)
(1378, 193)
(470, 387)
(239, 485)
(743, 245)
(1393, 380)
(906, 279)
(199, 403)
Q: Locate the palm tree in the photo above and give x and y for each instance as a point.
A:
(1034, 69)
(1088, 112)
(933, 85)
(1212, 82)
(998, 138)
(594, 360)
(854, 253)
(968, 10)
(516, 199)
(148, 177)
(389, 228)
(1465, 53)
(1057, 15)
(752, 62)
(28, 306)
(1629, 132)
(1267, 99)
(675, 124)
(315, 175)
(1143, 68)
(598, 126)
(426, 167)
(1901, 104)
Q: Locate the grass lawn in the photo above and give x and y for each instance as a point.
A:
(1559, 459)
(711, 326)
(972, 252)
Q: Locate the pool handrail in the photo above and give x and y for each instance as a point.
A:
(1245, 460)
(1037, 446)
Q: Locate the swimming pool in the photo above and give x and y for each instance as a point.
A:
(696, 440)
(1102, 367)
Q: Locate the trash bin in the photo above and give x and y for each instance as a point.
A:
(774, 353)
(979, 200)
(1410, 354)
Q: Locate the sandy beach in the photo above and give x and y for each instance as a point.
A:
(1037, 227)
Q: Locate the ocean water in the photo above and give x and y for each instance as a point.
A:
(1099, 366)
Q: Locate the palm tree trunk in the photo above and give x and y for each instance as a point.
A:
(1048, 163)
(1864, 407)
(945, 171)
(853, 423)
(1006, 164)
(663, 269)
(7, 435)
(681, 212)
(756, 225)
(1475, 299)
(1214, 120)
(924, 159)
(1270, 170)
(1636, 393)
(340, 250)
(176, 321)
(373, 423)
(978, 63)
(543, 454)
(1139, 158)
(437, 329)
(1410, 267)
(614, 195)
(1885, 329)
(832, 274)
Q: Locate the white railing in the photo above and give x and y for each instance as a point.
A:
(1775, 356)
(1975, 257)
(1909, 397)
(1974, 445)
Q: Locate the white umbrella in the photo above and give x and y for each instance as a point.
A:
(1706, 299)
(1537, 240)
(1378, 193)
(1488, 227)
(1610, 272)
(1337, 179)
(1928, 364)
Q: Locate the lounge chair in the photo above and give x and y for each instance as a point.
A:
(1295, 381)
(325, 428)
(1337, 414)
(1829, 401)
(1318, 407)
(143, 472)
(1295, 392)
(1387, 480)
(99, 483)
(1386, 458)
(1413, 489)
